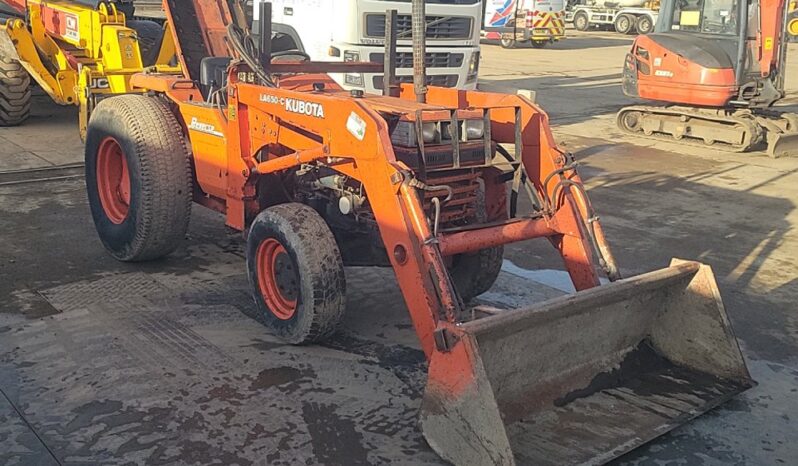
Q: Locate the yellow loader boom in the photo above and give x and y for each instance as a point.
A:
(77, 51)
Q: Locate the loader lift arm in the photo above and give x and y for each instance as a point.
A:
(314, 174)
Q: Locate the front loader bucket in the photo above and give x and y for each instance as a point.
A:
(783, 145)
(584, 378)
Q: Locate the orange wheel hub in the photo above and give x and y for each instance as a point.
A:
(278, 279)
(113, 180)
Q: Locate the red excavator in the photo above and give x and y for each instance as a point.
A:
(719, 65)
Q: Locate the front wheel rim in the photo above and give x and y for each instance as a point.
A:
(113, 180)
(278, 280)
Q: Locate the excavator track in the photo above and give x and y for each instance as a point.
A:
(736, 131)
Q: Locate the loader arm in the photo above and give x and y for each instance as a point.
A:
(579, 379)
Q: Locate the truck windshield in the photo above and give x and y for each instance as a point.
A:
(705, 16)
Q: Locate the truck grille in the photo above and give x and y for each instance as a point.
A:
(433, 60)
(438, 27)
(440, 80)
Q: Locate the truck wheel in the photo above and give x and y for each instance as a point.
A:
(507, 42)
(581, 21)
(138, 177)
(474, 274)
(296, 273)
(624, 24)
(539, 44)
(15, 93)
(150, 36)
(644, 25)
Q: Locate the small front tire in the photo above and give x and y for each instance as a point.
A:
(296, 273)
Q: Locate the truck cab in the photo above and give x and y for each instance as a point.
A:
(354, 30)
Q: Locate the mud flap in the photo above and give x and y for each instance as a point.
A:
(584, 378)
(783, 145)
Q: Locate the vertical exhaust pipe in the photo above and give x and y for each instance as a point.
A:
(389, 85)
(265, 35)
(420, 50)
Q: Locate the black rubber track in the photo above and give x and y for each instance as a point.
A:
(15, 93)
(160, 177)
(311, 245)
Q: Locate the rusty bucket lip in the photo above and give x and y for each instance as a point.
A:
(564, 306)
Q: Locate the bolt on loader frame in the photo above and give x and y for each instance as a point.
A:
(417, 179)
(77, 51)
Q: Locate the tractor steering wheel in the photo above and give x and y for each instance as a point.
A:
(297, 52)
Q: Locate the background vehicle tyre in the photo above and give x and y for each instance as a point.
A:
(15, 93)
(624, 24)
(581, 21)
(644, 25)
(138, 177)
(539, 44)
(507, 42)
(296, 273)
(150, 35)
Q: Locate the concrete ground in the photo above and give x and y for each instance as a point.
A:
(109, 363)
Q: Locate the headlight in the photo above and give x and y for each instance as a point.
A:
(404, 134)
(475, 129)
(430, 132)
(473, 67)
(353, 79)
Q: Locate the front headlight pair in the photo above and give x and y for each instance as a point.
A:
(436, 132)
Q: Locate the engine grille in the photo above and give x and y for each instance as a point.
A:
(440, 80)
(432, 59)
(438, 27)
(465, 190)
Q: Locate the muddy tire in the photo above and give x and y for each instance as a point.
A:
(296, 273)
(474, 274)
(15, 93)
(150, 35)
(138, 177)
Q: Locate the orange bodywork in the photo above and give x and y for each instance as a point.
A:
(265, 131)
(666, 76)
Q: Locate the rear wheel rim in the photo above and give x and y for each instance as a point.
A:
(113, 180)
(278, 280)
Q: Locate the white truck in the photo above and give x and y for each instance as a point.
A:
(538, 22)
(354, 30)
(625, 16)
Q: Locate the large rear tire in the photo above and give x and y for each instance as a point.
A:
(138, 177)
(150, 35)
(15, 93)
(296, 273)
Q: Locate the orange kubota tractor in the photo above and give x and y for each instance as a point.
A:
(417, 179)
(719, 65)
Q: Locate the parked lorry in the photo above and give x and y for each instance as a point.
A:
(538, 22)
(624, 16)
(354, 31)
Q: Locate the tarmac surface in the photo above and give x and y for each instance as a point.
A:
(110, 363)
